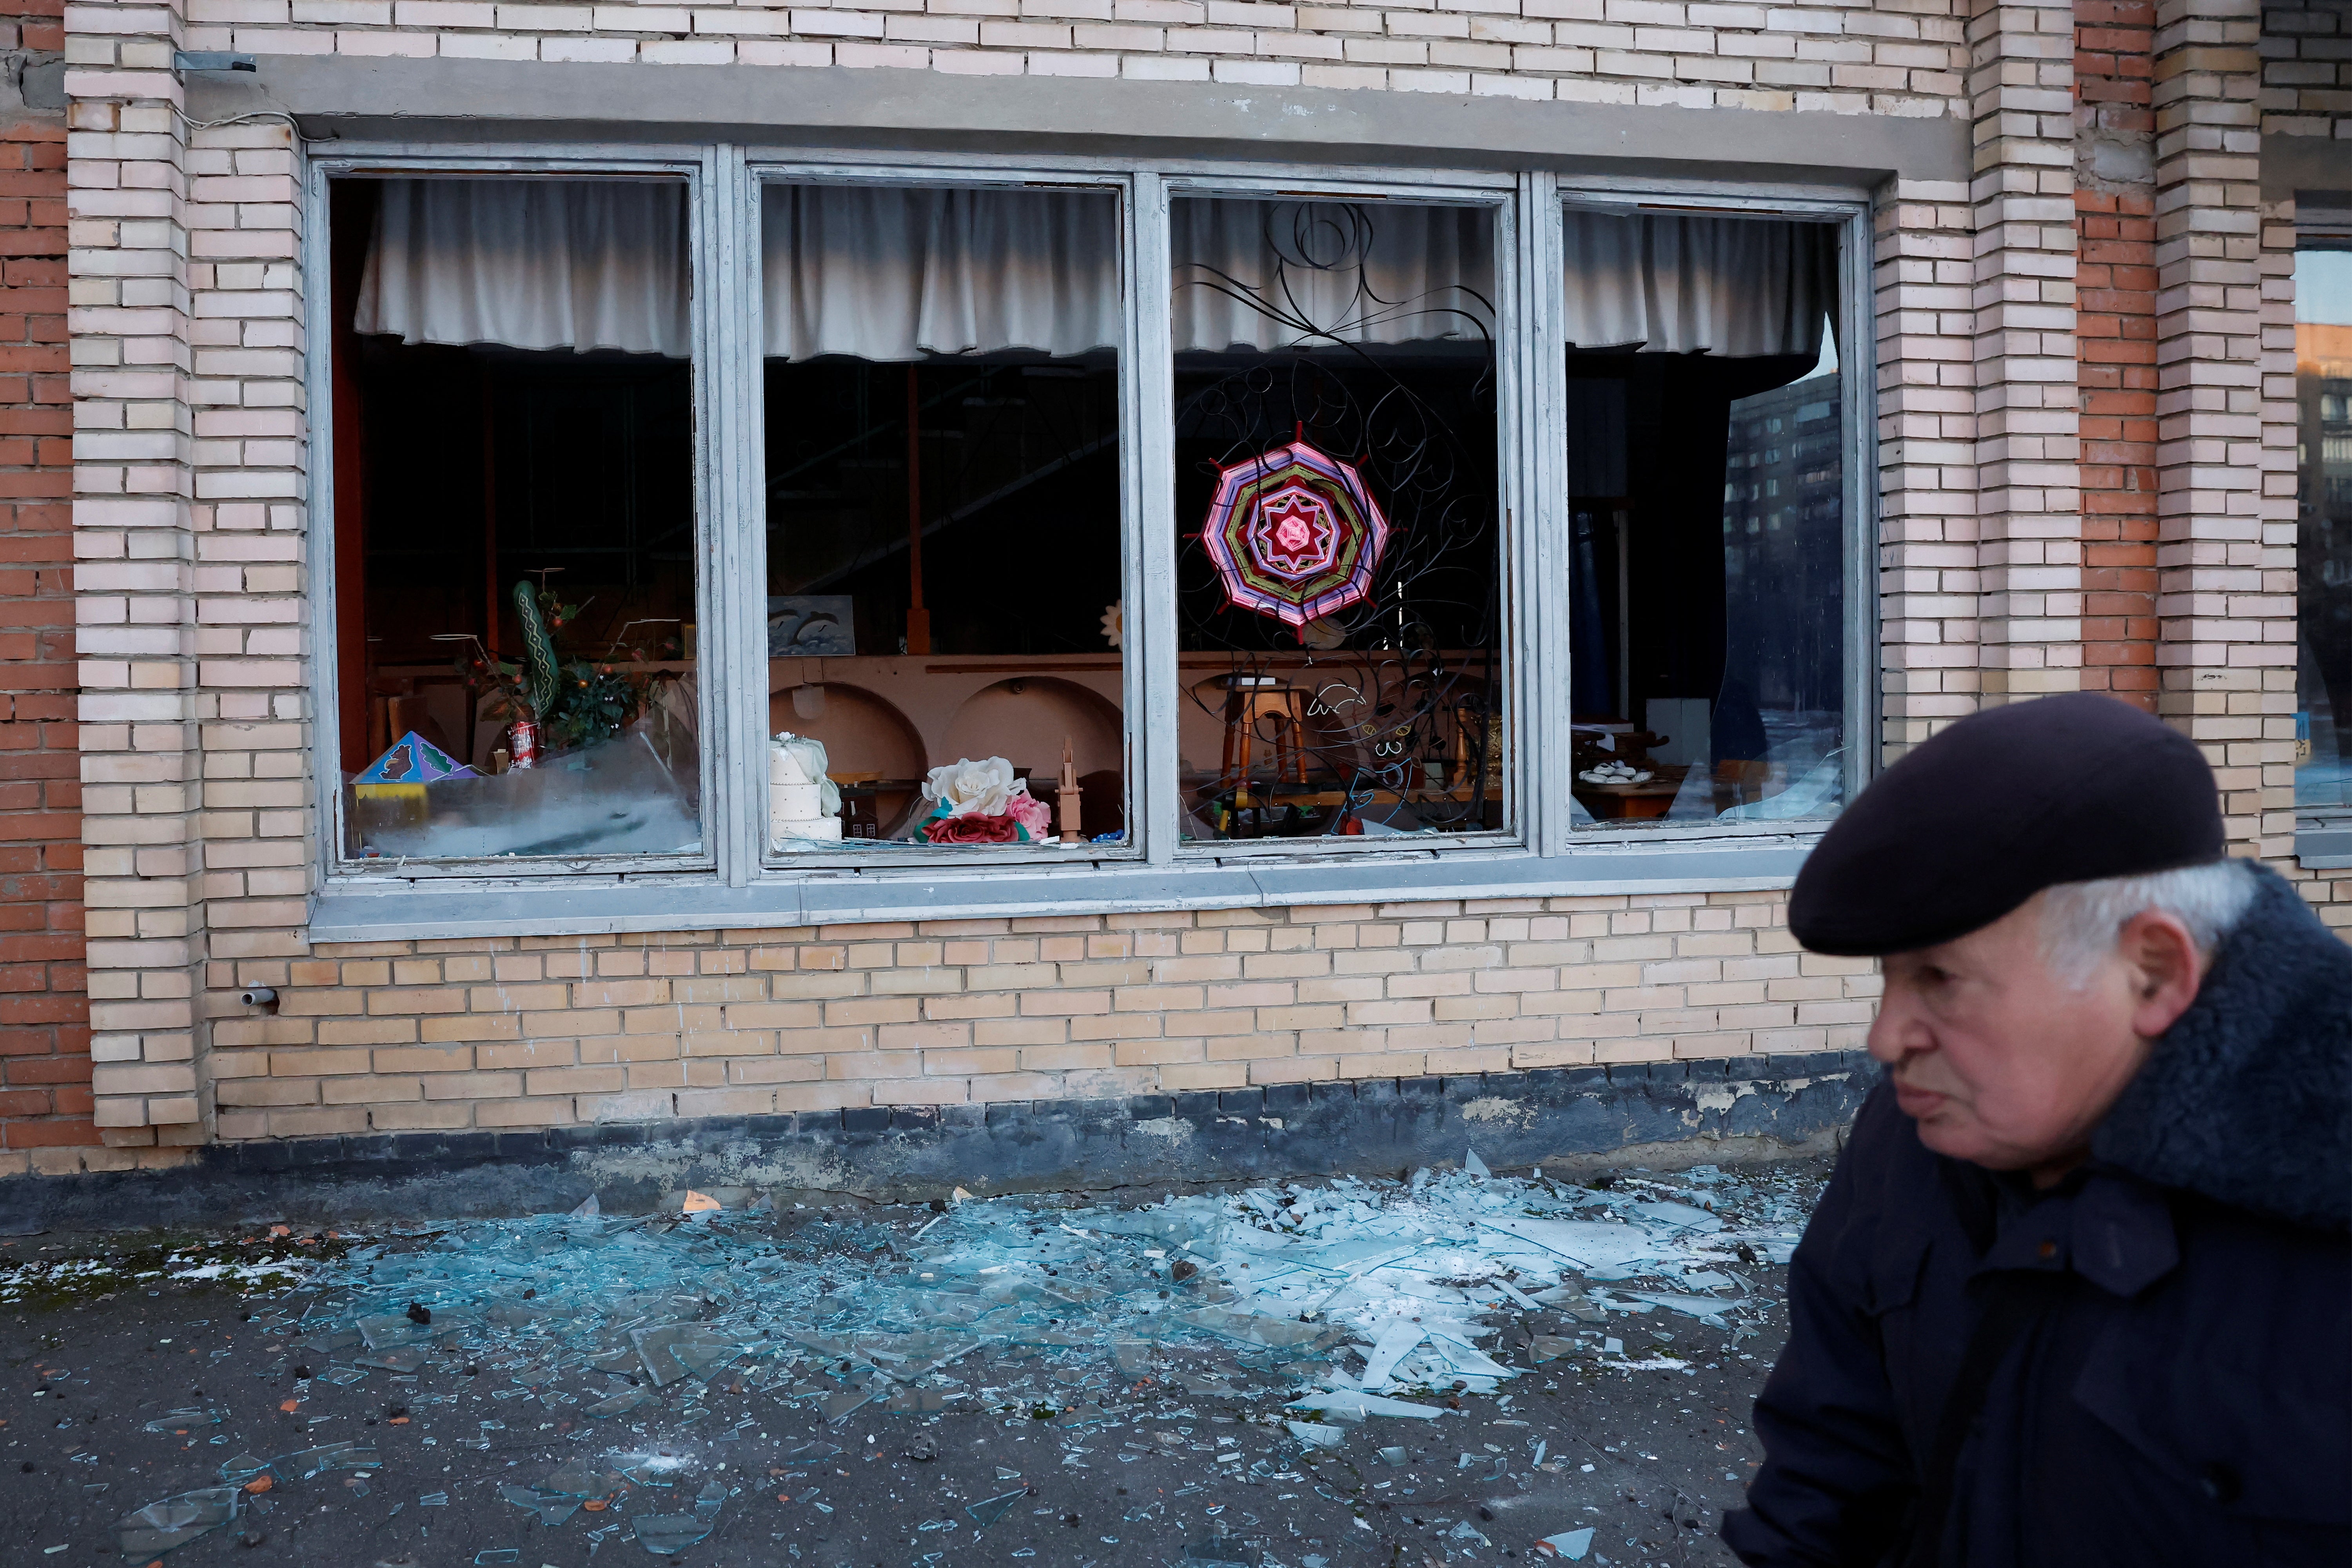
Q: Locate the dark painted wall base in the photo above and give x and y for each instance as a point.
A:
(1376, 1126)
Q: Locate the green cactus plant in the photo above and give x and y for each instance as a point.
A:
(539, 649)
(574, 701)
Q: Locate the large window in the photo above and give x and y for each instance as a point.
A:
(515, 519)
(1338, 590)
(944, 589)
(1708, 519)
(812, 526)
(2323, 391)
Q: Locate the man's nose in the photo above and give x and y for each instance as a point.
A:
(1897, 1031)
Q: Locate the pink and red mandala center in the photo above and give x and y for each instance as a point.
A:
(1293, 533)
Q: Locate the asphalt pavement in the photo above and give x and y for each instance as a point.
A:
(137, 1371)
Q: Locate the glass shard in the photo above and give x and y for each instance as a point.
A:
(175, 1520)
(988, 1510)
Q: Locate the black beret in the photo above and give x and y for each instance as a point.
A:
(1970, 824)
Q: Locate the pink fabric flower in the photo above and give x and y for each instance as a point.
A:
(1032, 814)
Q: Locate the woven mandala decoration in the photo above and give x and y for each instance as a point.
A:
(1295, 534)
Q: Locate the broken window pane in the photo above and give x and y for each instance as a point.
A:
(1707, 566)
(2323, 391)
(1341, 650)
(515, 518)
(944, 525)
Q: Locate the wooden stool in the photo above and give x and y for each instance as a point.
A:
(1245, 706)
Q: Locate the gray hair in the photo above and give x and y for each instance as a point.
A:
(2081, 922)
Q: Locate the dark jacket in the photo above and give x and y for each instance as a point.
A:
(2185, 1393)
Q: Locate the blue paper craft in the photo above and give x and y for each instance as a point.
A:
(413, 763)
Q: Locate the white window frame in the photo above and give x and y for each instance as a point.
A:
(737, 882)
(2323, 833)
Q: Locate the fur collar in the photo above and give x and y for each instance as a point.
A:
(2248, 1098)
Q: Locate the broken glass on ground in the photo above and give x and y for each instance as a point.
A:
(175, 1520)
(178, 1421)
(1572, 1544)
(551, 1508)
(667, 1534)
(1348, 1297)
(988, 1510)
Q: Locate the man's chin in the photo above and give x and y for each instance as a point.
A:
(1950, 1131)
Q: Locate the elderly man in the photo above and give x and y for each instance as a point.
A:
(2080, 1290)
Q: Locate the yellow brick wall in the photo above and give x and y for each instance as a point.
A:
(533, 1032)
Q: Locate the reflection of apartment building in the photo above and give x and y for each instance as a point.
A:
(1339, 556)
(1784, 487)
(2323, 387)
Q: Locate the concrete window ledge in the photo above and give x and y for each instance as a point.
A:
(2323, 848)
(447, 907)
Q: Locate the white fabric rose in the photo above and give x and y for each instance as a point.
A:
(972, 789)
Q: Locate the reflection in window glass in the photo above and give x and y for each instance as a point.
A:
(2323, 390)
(943, 515)
(515, 518)
(1338, 654)
(1706, 585)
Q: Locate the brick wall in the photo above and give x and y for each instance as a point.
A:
(1924, 280)
(540, 1032)
(191, 523)
(2307, 87)
(45, 1103)
(1845, 57)
(2029, 521)
(136, 577)
(2114, 342)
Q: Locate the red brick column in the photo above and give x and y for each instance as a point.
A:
(45, 1102)
(2114, 345)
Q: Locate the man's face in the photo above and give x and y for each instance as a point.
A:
(2001, 1061)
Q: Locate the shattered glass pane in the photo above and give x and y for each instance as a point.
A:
(665, 1534)
(315, 1461)
(988, 1510)
(175, 1520)
(181, 1420)
(548, 706)
(1354, 1302)
(552, 1509)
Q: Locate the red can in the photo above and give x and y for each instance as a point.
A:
(525, 737)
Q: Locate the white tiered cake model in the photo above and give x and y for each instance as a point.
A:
(803, 805)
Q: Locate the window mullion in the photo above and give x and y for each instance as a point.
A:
(1539, 552)
(1148, 398)
(728, 471)
(1858, 362)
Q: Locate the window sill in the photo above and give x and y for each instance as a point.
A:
(2325, 846)
(352, 911)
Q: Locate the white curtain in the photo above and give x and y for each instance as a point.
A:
(1268, 274)
(1679, 284)
(531, 264)
(892, 273)
(889, 273)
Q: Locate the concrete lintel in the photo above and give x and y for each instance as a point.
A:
(2319, 164)
(361, 97)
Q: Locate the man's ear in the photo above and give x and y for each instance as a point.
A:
(2164, 966)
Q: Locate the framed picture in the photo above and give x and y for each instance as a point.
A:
(812, 626)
